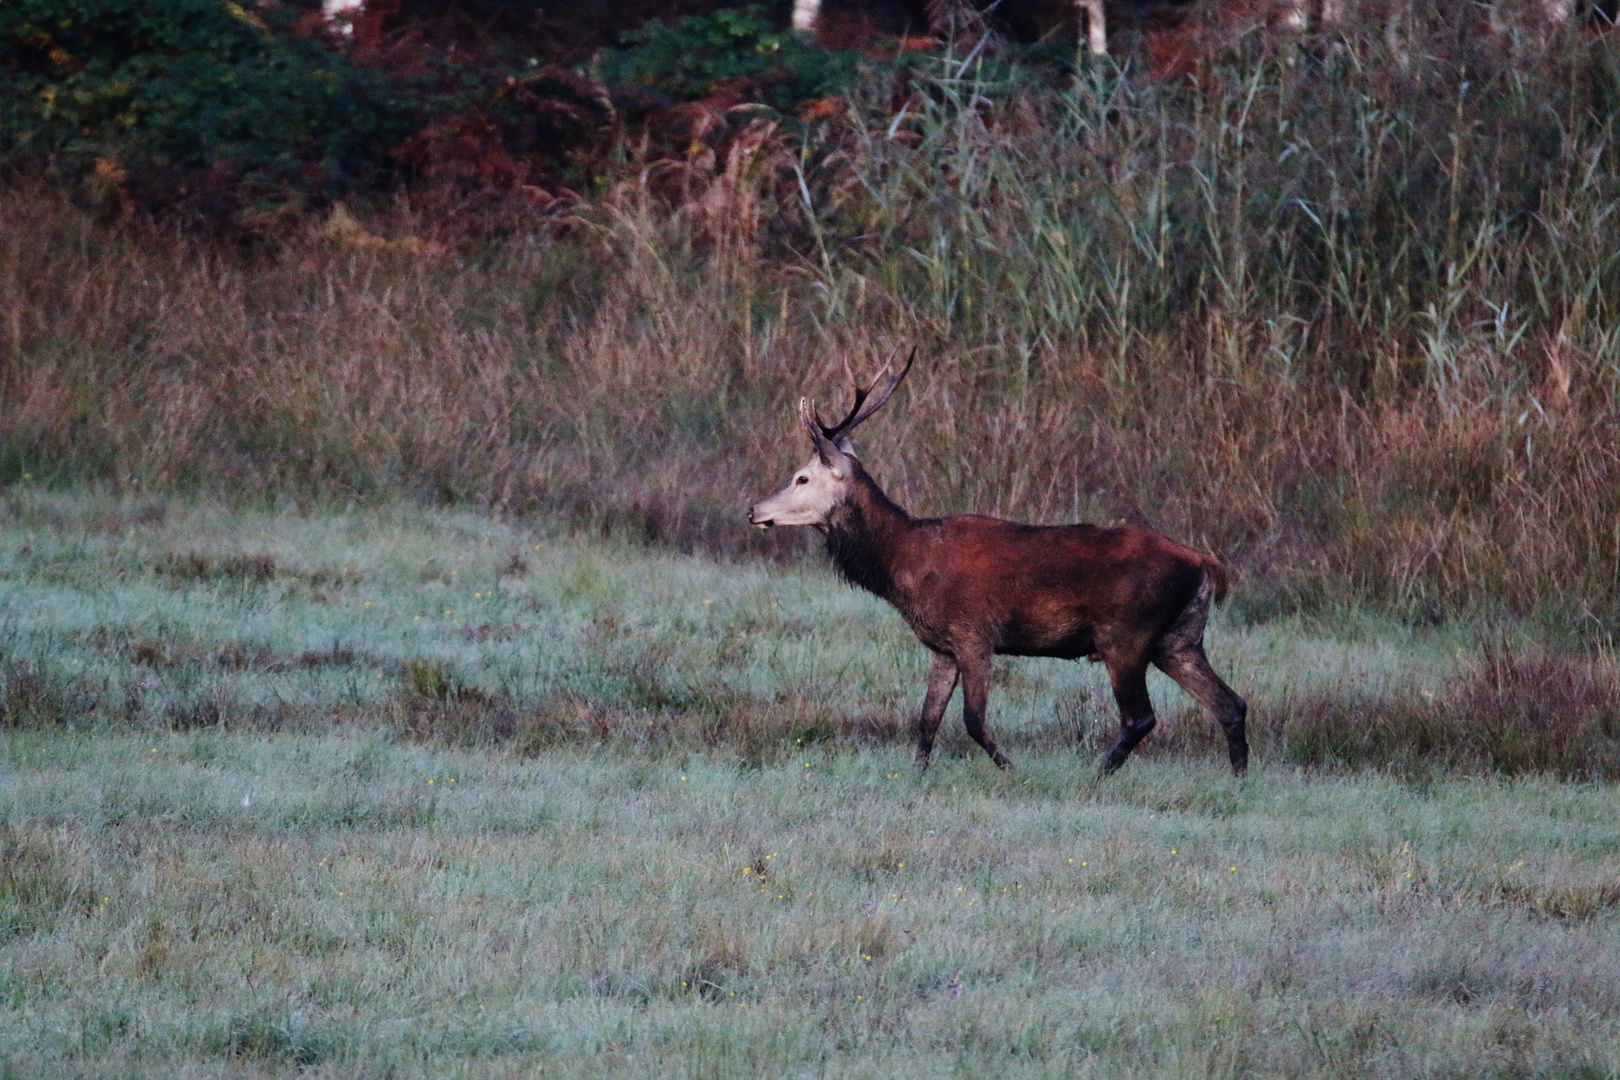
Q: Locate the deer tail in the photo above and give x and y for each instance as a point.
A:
(1217, 573)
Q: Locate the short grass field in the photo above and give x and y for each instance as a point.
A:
(403, 793)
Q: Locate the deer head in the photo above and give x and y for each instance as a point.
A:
(822, 483)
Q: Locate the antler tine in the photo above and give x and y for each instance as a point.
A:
(833, 431)
(865, 403)
(849, 372)
(807, 413)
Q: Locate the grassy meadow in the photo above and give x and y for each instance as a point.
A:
(390, 687)
(397, 792)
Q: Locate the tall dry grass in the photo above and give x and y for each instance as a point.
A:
(1341, 316)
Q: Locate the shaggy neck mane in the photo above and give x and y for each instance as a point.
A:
(861, 533)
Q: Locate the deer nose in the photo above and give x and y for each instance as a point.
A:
(757, 522)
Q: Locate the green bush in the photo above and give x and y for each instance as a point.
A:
(200, 96)
(701, 53)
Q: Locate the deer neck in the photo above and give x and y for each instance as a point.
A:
(864, 535)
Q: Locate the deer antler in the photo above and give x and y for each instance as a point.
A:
(868, 399)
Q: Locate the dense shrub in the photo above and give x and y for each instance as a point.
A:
(697, 55)
(191, 99)
(216, 107)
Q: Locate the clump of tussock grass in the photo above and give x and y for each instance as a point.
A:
(44, 876)
(275, 1035)
(637, 701)
(173, 650)
(39, 693)
(207, 711)
(1520, 709)
(1571, 900)
(436, 680)
(759, 730)
(196, 566)
(248, 569)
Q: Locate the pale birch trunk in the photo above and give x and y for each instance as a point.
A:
(1095, 25)
(1395, 34)
(1530, 18)
(349, 8)
(806, 14)
(1554, 12)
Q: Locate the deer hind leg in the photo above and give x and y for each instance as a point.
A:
(1189, 667)
(1136, 717)
(975, 698)
(1180, 655)
(941, 684)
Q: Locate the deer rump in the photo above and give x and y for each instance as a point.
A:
(973, 587)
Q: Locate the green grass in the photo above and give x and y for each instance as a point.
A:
(422, 794)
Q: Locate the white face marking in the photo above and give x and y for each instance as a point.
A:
(808, 498)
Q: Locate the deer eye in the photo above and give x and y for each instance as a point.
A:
(802, 480)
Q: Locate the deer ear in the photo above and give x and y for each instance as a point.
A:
(845, 446)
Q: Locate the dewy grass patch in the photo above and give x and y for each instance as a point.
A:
(630, 812)
(425, 628)
(44, 876)
(280, 902)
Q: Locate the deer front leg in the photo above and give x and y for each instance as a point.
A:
(975, 698)
(1136, 717)
(941, 684)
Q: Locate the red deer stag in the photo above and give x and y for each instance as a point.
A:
(971, 587)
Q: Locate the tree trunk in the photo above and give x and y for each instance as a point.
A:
(346, 8)
(806, 13)
(1095, 24)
